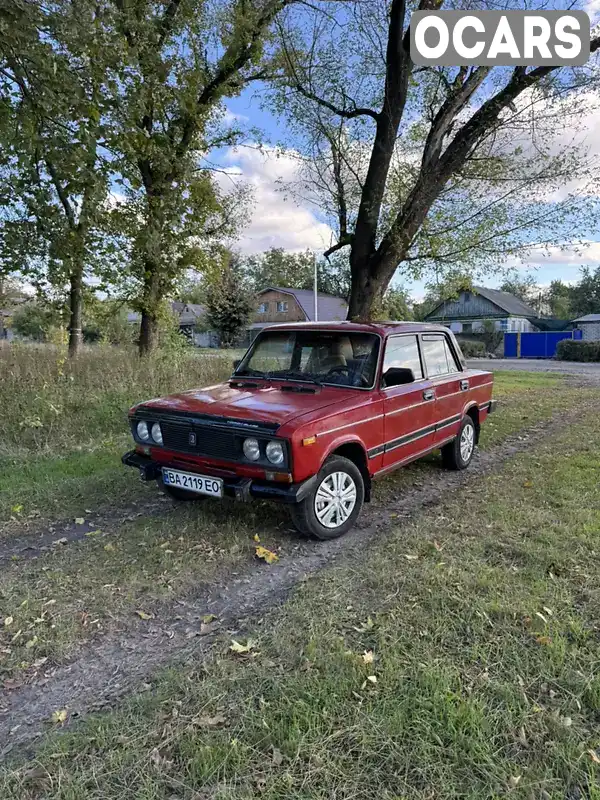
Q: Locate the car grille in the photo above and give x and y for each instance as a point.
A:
(209, 442)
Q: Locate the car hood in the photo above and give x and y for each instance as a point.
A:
(265, 404)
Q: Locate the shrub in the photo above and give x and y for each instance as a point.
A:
(576, 350)
(472, 349)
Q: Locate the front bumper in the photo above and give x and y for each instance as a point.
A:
(244, 489)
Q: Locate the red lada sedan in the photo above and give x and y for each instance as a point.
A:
(312, 414)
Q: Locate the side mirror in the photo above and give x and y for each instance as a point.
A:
(236, 363)
(398, 376)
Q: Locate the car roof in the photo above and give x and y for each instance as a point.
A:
(381, 328)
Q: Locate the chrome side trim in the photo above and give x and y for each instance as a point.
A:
(350, 425)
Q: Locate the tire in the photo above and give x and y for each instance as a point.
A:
(310, 515)
(458, 453)
(178, 494)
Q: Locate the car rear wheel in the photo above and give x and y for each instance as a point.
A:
(332, 506)
(458, 453)
(178, 494)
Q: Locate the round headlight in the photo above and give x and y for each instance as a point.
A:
(143, 432)
(251, 449)
(157, 433)
(275, 453)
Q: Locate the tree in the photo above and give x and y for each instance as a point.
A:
(230, 302)
(53, 63)
(278, 267)
(585, 295)
(183, 57)
(522, 286)
(557, 299)
(36, 321)
(418, 165)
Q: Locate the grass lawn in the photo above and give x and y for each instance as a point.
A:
(64, 425)
(81, 590)
(459, 659)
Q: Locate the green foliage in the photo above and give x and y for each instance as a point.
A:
(577, 350)
(471, 348)
(230, 302)
(585, 295)
(277, 267)
(491, 336)
(36, 321)
(521, 285)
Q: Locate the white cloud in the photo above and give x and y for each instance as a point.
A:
(277, 219)
(575, 255)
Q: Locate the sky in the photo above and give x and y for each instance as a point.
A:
(281, 220)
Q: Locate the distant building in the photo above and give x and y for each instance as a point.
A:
(468, 312)
(279, 304)
(274, 304)
(589, 327)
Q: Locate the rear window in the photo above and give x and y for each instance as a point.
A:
(439, 359)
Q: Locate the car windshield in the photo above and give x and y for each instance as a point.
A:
(332, 357)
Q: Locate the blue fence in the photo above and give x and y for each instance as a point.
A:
(535, 345)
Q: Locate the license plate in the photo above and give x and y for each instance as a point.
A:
(201, 484)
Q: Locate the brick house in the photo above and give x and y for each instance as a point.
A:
(278, 304)
(589, 326)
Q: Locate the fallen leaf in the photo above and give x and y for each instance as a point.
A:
(109, 547)
(210, 722)
(17, 508)
(40, 662)
(93, 533)
(64, 540)
(367, 657)
(372, 678)
(277, 757)
(256, 537)
(266, 555)
(208, 618)
(542, 617)
(544, 640)
(59, 716)
(8, 621)
(527, 484)
(594, 756)
(79, 520)
(514, 781)
(410, 557)
(236, 647)
(31, 643)
(144, 615)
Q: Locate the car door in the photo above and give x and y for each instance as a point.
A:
(447, 379)
(409, 409)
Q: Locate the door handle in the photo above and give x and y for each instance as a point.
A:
(464, 385)
(428, 394)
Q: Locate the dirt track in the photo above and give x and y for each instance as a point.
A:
(104, 672)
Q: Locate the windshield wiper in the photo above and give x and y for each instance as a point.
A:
(297, 376)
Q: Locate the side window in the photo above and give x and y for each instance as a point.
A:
(403, 352)
(438, 356)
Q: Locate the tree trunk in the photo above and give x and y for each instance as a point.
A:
(76, 310)
(148, 333)
(152, 260)
(366, 289)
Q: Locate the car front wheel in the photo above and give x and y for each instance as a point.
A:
(332, 506)
(459, 452)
